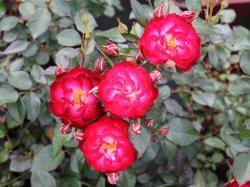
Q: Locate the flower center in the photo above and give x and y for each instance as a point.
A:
(171, 41)
(78, 96)
(133, 95)
(109, 147)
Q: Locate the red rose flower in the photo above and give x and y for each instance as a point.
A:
(234, 183)
(126, 90)
(106, 145)
(170, 38)
(70, 99)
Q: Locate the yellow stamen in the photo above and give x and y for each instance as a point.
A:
(78, 96)
(110, 147)
(171, 41)
(133, 95)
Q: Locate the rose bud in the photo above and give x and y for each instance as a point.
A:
(70, 99)
(111, 49)
(163, 131)
(170, 64)
(100, 64)
(188, 16)
(138, 56)
(159, 11)
(234, 183)
(113, 178)
(135, 128)
(171, 38)
(78, 135)
(126, 90)
(107, 147)
(150, 123)
(59, 70)
(155, 76)
(65, 129)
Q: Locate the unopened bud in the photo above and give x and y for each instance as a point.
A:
(113, 178)
(100, 64)
(111, 49)
(155, 76)
(122, 27)
(188, 16)
(65, 129)
(163, 131)
(78, 135)
(138, 56)
(59, 70)
(135, 128)
(150, 123)
(159, 11)
(170, 64)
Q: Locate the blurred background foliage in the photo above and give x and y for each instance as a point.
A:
(206, 110)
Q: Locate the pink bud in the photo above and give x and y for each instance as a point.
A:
(65, 129)
(150, 123)
(135, 128)
(188, 16)
(59, 70)
(164, 131)
(155, 76)
(100, 64)
(170, 64)
(159, 11)
(138, 56)
(113, 178)
(111, 49)
(78, 135)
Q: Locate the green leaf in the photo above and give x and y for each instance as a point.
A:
(16, 47)
(69, 181)
(8, 23)
(169, 149)
(227, 15)
(193, 5)
(241, 168)
(240, 86)
(76, 160)
(17, 110)
(181, 132)
(7, 94)
(112, 34)
(244, 134)
(199, 180)
(142, 140)
(20, 80)
(101, 182)
(41, 178)
(3, 76)
(32, 104)
(174, 108)
(16, 65)
(245, 62)
(69, 37)
(42, 57)
(37, 73)
(204, 98)
(58, 141)
(128, 178)
(150, 152)
(141, 12)
(164, 92)
(20, 164)
(44, 159)
(2, 8)
(39, 22)
(60, 7)
(27, 9)
(215, 142)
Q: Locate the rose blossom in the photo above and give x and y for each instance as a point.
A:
(171, 38)
(106, 145)
(70, 99)
(234, 183)
(127, 90)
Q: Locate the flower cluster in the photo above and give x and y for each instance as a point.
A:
(83, 99)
